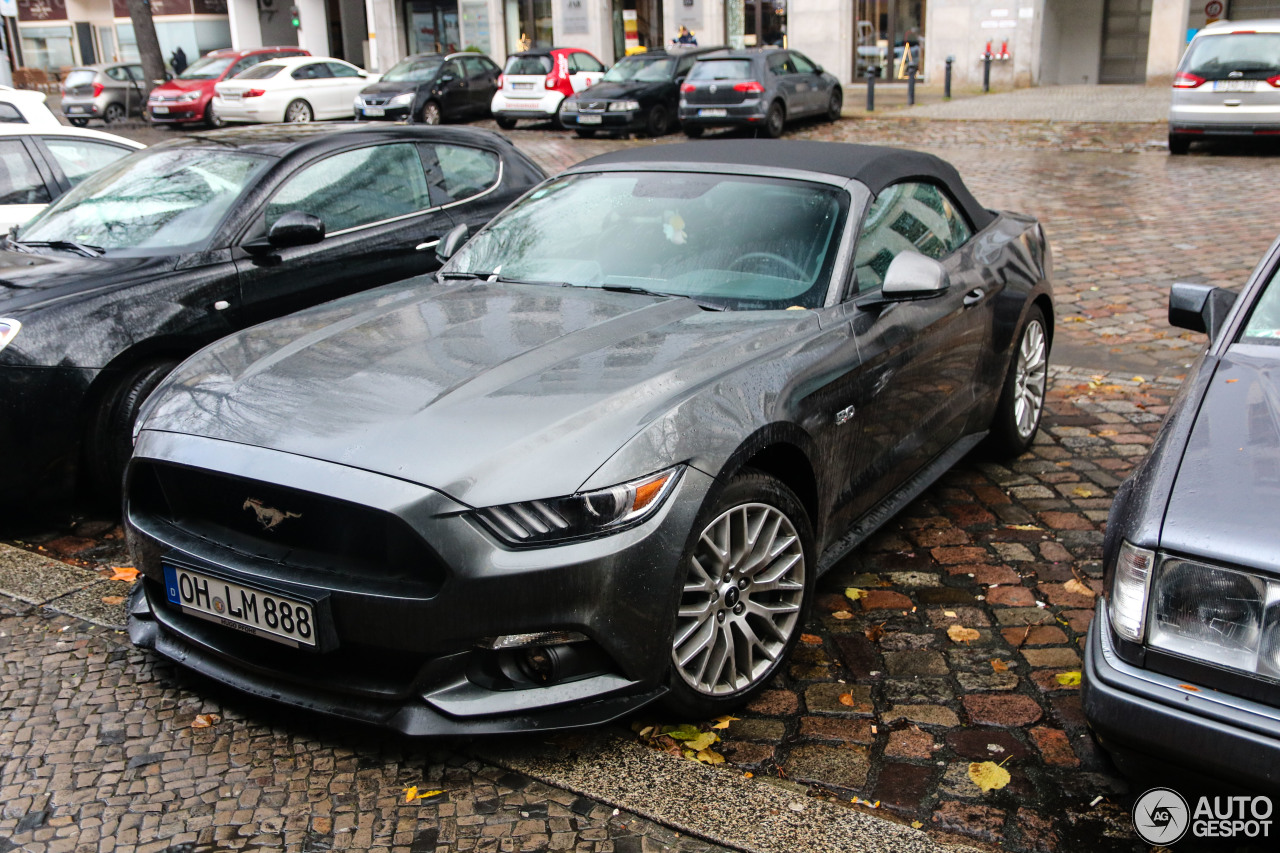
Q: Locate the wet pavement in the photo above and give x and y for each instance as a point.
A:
(952, 637)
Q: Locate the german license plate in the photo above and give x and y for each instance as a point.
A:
(231, 96)
(374, 111)
(713, 113)
(1235, 85)
(244, 608)
(75, 109)
(160, 111)
(521, 85)
(589, 119)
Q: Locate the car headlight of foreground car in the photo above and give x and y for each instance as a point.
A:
(401, 100)
(570, 106)
(1213, 614)
(595, 513)
(623, 106)
(8, 331)
(188, 97)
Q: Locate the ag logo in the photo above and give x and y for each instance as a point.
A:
(1160, 816)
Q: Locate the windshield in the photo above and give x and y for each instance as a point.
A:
(1250, 55)
(651, 70)
(537, 64)
(414, 70)
(1264, 321)
(207, 68)
(165, 200)
(80, 77)
(737, 242)
(721, 69)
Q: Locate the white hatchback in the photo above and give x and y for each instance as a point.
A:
(294, 89)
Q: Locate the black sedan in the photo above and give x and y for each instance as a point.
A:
(170, 248)
(601, 457)
(431, 88)
(756, 88)
(1183, 658)
(638, 95)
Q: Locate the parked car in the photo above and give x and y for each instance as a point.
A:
(1183, 653)
(601, 457)
(292, 88)
(535, 83)
(640, 94)
(23, 106)
(111, 91)
(39, 164)
(172, 247)
(760, 88)
(432, 88)
(1227, 85)
(188, 98)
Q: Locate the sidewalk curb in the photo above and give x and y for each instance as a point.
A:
(45, 582)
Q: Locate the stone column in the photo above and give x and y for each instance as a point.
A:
(1167, 41)
(823, 31)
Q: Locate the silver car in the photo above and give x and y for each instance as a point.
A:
(110, 91)
(1228, 84)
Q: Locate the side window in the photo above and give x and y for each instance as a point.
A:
(305, 72)
(245, 64)
(475, 67)
(341, 69)
(587, 62)
(20, 183)
(136, 73)
(907, 217)
(465, 172)
(802, 65)
(117, 73)
(685, 66)
(778, 63)
(453, 68)
(80, 158)
(572, 59)
(9, 114)
(356, 188)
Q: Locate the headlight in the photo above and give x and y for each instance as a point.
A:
(1127, 598)
(580, 516)
(623, 106)
(570, 105)
(1209, 613)
(401, 100)
(8, 331)
(188, 97)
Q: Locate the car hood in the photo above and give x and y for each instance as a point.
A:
(617, 91)
(390, 88)
(490, 393)
(1223, 499)
(29, 281)
(177, 87)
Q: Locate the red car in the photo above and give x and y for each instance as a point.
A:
(189, 96)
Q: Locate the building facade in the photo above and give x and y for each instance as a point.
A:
(1034, 42)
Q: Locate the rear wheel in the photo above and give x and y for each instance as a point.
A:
(558, 118)
(113, 113)
(585, 132)
(1021, 402)
(211, 118)
(78, 122)
(1179, 144)
(746, 583)
(658, 121)
(430, 113)
(111, 441)
(692, 132)
(774, 120)
(835, 105)
(505, 123)
(298, 111)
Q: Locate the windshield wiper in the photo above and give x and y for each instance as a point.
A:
(456, 274)
(87, 251)
(630, 288)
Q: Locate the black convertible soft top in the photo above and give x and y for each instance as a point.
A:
(875, 166)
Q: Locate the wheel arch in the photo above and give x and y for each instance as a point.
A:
(784, 452)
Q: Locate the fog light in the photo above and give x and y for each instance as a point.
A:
(1127, 597)
(539, 664)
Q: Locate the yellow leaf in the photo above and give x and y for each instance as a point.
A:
(426, 795)
(123, 573)
(950, 614)
(1074, 585)
(988, 775)
(723, 722)
(1068, 679)
(748, 775)
(847, 699)
(411, 794)
(842, 615)
(113, 599)
(1023, 527)
(998, 665)
(915, 824)
(961, 634)
(204, 721)
(710, 756)
(1107, 433)
(853, 593)
(1081, 491)
(702, 741)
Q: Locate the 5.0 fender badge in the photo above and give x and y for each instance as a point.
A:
(844, 415)
(268, 516)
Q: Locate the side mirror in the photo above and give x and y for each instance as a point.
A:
(452, 242)
(296, 228)
(447, 78)
(913, 275)
(1199, 307)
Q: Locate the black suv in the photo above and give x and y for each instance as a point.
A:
(638, 95)
(431, 88)
(761, 88)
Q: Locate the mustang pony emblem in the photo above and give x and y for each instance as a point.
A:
(268, 516)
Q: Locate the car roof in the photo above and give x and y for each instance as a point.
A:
(103, 66)
(1267, 25)
(875, 166)
(32, 106)
(743, 52)
(277, 140)
(14, 129)
(250, 51)
(291, 61)
(664, 52)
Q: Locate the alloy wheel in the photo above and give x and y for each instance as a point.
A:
(741, 600)
(431, 113)
(1030, 379)
(113, 114)
(298, 111)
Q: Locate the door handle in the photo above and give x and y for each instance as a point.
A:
(973, 297)
(430, 243)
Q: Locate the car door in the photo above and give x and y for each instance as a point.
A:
(584, 71)
(346, 82)
(915, 388)
(464, 179)
(482, 79)
(139, 89)
(810, 84)
(381, 225)
(785, 83)
(454, 88)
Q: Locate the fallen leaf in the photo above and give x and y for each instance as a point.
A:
(1074, 585)
(988, 775)
(796, 807)
(748, 775)
(1189, 687)
(1023, 527)
(915, 824)
(723, 722)
(998, 665)
(113, 599)
(875, 632)
(842, 615)
(1068, 679)
(411, 794)
(961, 634)
(1107, 433)
(847, 699)
(811, 639)
(710, 756)
(123, 573)
(950, 614)
(1081, 491)
(853, 593)
(204, 721)
(688, 731)
(702, 741)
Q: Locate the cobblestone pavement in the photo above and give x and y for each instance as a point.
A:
(1058, 103)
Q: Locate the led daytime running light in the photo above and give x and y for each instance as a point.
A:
(8, 331)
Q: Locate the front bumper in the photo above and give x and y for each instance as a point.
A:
(176, 113)
(749, 114)
(1148, 719)
(617, 121)
(406, 652)
(383, 113)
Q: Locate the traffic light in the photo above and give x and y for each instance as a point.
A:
(293, 16)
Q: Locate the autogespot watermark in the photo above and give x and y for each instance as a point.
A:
(1163, 816)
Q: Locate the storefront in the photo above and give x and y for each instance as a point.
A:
(432, 26)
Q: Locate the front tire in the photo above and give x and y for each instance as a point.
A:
(113, 113)
(747, 579)
(298, 112)
(692, 132)
(774, 120)
(110, 443)
(1179, 144)
(431, 113)
(79, 122)
(211, 119)
(505, 123)
(835, 106)
(585, 132)
(1021, 404)
(658, 122)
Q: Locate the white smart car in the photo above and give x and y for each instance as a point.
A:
(293, 88)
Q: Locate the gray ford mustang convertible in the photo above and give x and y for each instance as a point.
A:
(601, 457)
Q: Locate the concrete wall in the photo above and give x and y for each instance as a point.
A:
(1071, 45)
(823, 31)
(354, 31)
(962, 28)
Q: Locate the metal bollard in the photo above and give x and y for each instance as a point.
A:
(986, 72)
(911, 85)
(871, 90)
(946, 85)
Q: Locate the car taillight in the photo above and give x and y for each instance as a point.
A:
(1183, 80)
(552, 81)
(688, 87)
(98, 89)
(1274, 81)
(254, 93)
(753, 86)
(501, 80)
